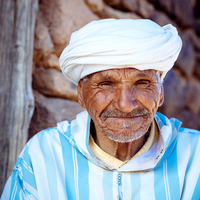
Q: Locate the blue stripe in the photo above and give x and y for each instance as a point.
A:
(75, 128)
(87, 135)
(28, 177)
(136, 185)
(18, 178)
(196, 194)
(167, 152)
(69, 167)
(27, 168)
(173, 178)
(16, 186)
(161, 119)
(83, 176)
(108, 184)
(159, 185)
(16, 183)
(193, 146)
(49, 165)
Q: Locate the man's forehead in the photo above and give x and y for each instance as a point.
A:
(123, 73)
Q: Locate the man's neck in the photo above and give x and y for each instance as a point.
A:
(121, 151)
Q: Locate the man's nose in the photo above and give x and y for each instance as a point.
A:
(125, 99)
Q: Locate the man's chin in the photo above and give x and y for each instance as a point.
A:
(126, 137)
(125, 134)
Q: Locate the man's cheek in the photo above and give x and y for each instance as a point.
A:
(149, 100)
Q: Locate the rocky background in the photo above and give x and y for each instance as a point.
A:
(56, 97)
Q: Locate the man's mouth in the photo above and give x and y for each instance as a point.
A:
(140, 112)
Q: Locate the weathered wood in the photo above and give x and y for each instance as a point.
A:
(17, 22)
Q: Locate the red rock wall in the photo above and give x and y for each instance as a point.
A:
(55, 96)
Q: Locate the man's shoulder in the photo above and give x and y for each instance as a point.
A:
(63, 127)
(48, 132)
(50, 136)
(64, 133)
(162, 120)
(189, 135)
(173, 132)
(189, 131)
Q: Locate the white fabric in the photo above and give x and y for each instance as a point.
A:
(57, 165)
(111, 43)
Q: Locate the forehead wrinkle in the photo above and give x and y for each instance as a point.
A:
(143, 75)
(124, 73)
(146, 74)
(127, 72)
(107, 75)
(116, 73)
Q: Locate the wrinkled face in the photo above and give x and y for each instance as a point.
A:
(121, 102)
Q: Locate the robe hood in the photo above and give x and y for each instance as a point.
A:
(155, 156)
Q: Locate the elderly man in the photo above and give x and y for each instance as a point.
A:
(120, 148)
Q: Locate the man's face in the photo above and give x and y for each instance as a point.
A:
(121, 102)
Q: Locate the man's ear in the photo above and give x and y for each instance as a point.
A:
(161, 96)
(80, 94)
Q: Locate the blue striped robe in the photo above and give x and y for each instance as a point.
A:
(57, 164)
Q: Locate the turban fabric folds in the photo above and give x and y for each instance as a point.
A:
(122, 43)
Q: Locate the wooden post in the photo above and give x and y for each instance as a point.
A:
(17, 23)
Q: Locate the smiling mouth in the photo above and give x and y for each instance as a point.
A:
(125, 118)
(142, 112)
(128, 118)
(124, 123)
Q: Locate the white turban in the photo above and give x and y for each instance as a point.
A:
(122, 43)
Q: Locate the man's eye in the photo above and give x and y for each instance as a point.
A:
(142, 83)
(105, 83)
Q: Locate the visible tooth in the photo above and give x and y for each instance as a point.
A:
(126, 124)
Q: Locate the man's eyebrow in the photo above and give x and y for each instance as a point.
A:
(142, 75)
(106, 77)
